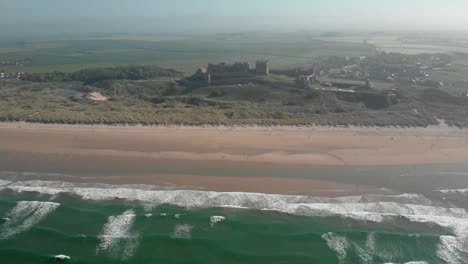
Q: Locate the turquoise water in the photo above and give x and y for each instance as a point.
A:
(143, 224)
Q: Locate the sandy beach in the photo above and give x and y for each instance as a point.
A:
(284, 145)
(111, 150)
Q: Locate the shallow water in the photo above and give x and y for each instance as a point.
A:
(96, 223)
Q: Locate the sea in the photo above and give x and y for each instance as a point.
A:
(64, 222)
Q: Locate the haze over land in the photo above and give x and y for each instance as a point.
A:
(54, 18)
(139, 131)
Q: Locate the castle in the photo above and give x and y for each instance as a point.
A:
(236, 72)
(261, 67)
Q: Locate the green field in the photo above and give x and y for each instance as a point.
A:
(182, 53)
(405, 44)
(455, 80)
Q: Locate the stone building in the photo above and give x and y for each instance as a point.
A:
(262, 68)
(236, 72)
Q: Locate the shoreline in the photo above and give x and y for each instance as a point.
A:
(441, 129)
(288, 160)
(441, 124)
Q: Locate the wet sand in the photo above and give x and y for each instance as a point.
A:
(227, 158)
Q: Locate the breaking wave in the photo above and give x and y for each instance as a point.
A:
(3, 182)
(451, 250)
(339, 244)
(182, 232)
(347, 248)
(25, 215)
(116, 238)
(411, 262)
(372, 208)
(454, 191)
(216, 219)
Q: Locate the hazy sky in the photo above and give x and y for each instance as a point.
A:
(207, 16)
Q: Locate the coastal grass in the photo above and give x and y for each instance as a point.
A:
(163, 101)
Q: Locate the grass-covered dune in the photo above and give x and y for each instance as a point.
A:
(161, 97)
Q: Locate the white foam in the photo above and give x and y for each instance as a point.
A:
(216, 219)
(374, 208)
(370, 242)
(364, 254)
(148, 215)
(3, 183)
(182, 232)
(25, 215)
(177, 216)
(454, 191)
(450, 249)
(198, 198)
(339, 244)
(163, 214)
(411, 262)
(62, 257)
(116, 238)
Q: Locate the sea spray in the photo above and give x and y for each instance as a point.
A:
(366, 254)
(451, 250)
(373, 208)
(3, 182)
(370, 242)
(61, 257)
(116, 238)
(339, 244)
(25, 215)
(216, 219)
(182, 232)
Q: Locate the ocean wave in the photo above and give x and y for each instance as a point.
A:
(216, 219)
(451, 250)
(88, 191)
(62, 257)
(3, 182)
(411, 262)
(453, 191)
(373, 208)
(345, 248)
(366, 253)
(188, 198)
(116, 238)
(339, 244)
(370, 242)
(25, 215)
(369, 207)
(182, 232)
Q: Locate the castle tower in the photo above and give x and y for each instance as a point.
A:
(262, 68)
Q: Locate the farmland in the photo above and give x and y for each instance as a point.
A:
(405, 43)
(134, 79)
(181, 53)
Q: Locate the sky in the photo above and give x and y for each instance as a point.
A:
(214, 16)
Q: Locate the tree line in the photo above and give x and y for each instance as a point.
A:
(90, 76)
